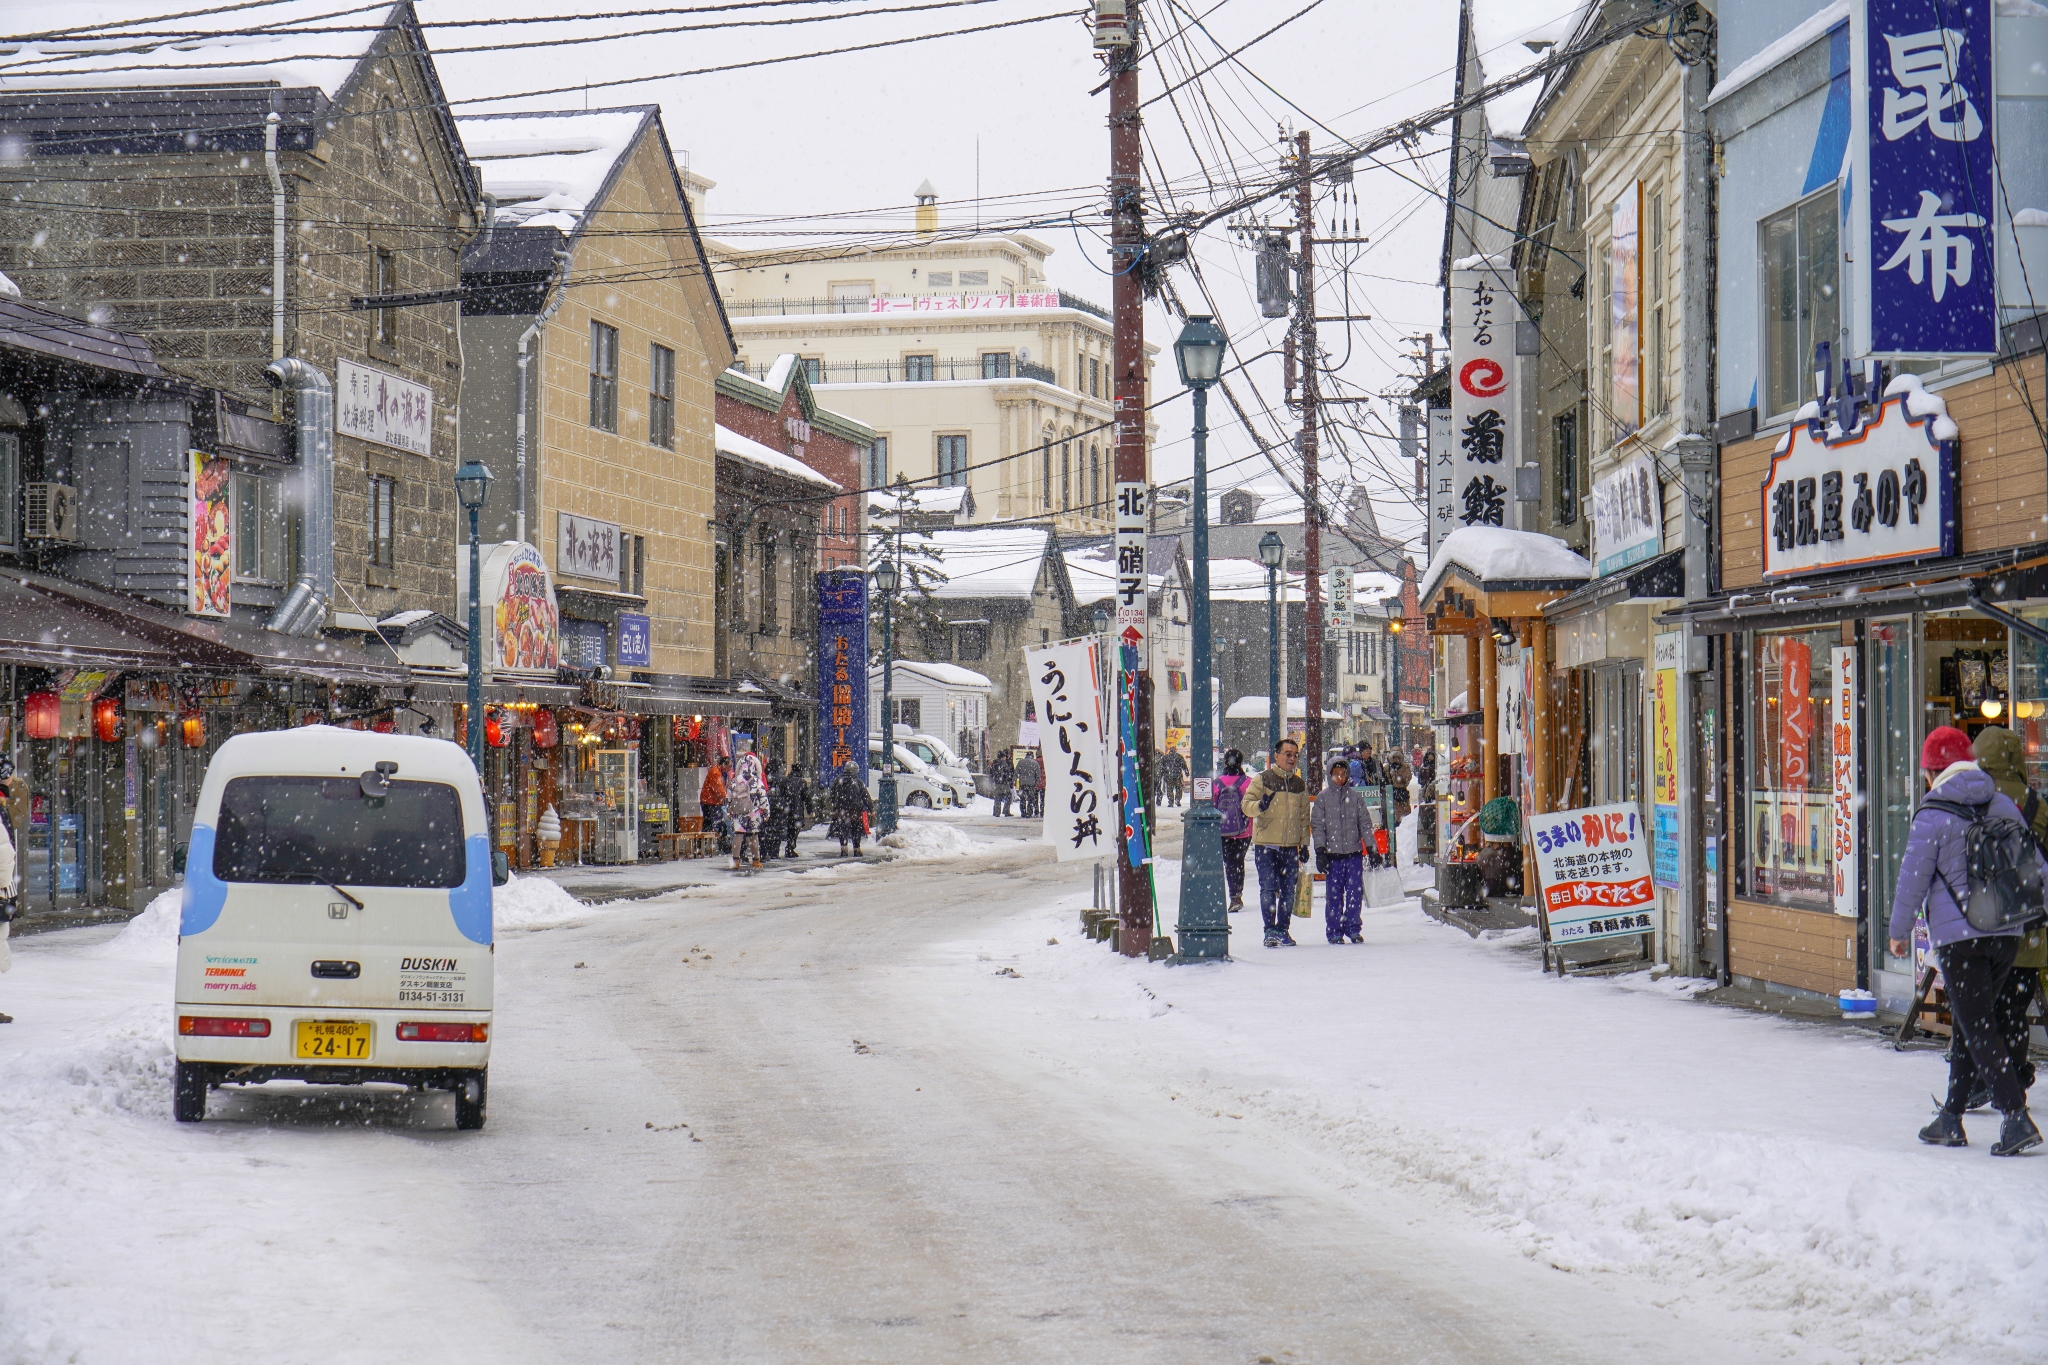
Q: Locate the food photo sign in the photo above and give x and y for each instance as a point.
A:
(1594, 872)
(210, 490)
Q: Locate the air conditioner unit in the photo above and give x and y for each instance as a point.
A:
(52, 512)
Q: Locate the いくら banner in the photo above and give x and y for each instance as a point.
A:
(1080, 797)
(1592, 867)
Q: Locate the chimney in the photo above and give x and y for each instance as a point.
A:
(927, 209)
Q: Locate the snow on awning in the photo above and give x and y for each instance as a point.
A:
(1500, 559)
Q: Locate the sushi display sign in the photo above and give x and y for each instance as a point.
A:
(210, 575)
(526, 625)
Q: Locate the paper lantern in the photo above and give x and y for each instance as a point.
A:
(385, 725)
(149, 736)
(545, 734)
(41, 712)
(494, 729)
(106, 719)
(193, 729)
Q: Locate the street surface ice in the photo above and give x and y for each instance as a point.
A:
(870, 1112)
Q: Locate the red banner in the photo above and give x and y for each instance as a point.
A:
(1617, 894)
(1795, 713)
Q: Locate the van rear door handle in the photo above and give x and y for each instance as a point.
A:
(338, 971)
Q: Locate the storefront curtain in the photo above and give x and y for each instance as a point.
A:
(1788, 858)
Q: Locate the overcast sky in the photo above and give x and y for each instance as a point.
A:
(860, 131)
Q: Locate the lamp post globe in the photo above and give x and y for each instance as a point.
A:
(1204, 918)
(1199, 352)
(887, 578)
(472, 484)
(1272, 554)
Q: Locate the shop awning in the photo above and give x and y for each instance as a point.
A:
(498, 691)
(55, 633)
(1661, 577)
(1896, 589)
(662, 701)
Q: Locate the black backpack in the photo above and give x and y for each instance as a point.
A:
(2006, 890)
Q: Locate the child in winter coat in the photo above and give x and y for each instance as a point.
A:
(1342, 828)
(1228, 795)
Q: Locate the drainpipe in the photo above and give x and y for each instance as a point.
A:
(304, 609)
(270, 123)
(525, 354)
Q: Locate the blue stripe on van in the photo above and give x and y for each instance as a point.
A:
(204, 895)
(470, 902)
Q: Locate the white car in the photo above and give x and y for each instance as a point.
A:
(335, 926)
(939, 756)
(916, 783)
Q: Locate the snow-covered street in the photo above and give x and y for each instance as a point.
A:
(874, 1112)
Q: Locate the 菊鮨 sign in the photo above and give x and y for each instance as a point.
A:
(842, 673)
(1130, 562)
(1594, 873)
(1443, 479)
(1628, 515)
(1485, 402)
(586, 548)
(1929, 186)
(1665, 651)
(209, 568)
(1885, 492)
(1846, 685)
(525, 623)
(1080, 799)
(374, 405)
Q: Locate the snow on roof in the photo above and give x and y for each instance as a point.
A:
(546, 169)
(1258, 708)
(1501, 33)
(1493, 553)
(777, 377)
(1812, 27)
(921, 499)
(1092, 571)
(984, 563)
(223, 48)
(744, 448)
(952, 675)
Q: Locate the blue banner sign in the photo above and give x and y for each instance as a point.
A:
(636, 640)
(842, 673)
(1931, 262)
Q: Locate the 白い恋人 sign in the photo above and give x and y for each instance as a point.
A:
(1593, 871)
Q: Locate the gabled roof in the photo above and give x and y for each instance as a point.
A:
(994, 562)
(26, 327)
(748, 451)
(785, 376)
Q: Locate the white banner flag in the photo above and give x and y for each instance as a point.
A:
(1080, 786)
(1485, 404)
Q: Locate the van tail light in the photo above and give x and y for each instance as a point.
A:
(444, 1033)
(209, 1026)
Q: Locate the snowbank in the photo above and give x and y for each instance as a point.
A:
(1495, 552)
(151, 936)
(923, 841)
(534, 903)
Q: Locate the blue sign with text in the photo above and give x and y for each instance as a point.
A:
(842, 673)
(1931, 262)
(636, 641)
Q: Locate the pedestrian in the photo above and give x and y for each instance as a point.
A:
(1371, 773)
(1030, 777)
(8, 901)
(1342, 831)
(850, 803)
(746, 804)
(1228, 794)
(1934, 880)
(2003, 757)
(1277, 802)
(1173, 771)
(777, 816)
(1002, 775)
(794, 797)
(1397, 774)
(1356, 766)
(711, 800)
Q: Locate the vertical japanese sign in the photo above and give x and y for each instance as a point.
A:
(1628, 516)
(636, 642)
(1593, 872)
(1130, 563)
(1795, 714)
(1443, 479)
(1080, 799)
(210, 492)
(1846, 684)
(1625, 258)
(1665, 651)
(1929, 269)
(1485, 402)
(842, 673)
(1339, 611)
(1131, 787)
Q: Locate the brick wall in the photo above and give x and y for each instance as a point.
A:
(837, 458)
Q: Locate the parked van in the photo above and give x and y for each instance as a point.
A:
(336, 918)
(916, 784)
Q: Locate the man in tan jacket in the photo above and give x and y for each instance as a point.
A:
(1277, 802)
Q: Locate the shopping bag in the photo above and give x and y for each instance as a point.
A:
(1383, 887)
(1304, 893)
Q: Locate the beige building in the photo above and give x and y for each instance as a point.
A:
(971, 369)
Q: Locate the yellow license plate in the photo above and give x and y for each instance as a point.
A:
(334, 1040)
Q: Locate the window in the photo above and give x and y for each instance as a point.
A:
(1801, 270)
(661, 400)
(383, 518)
(1066, 475)
(383, 281)
(633, 564)
(918, 369)
(1564, 466)
(970, 644)
(952, 461)
(1787, 858)
(939, 279)
(604, 377)
(974, 279)
(1605, 391)
(814, 369)
(1656, 400)
(909, 711)
(1094, 376)
(10, 485)
(995, 365)
(1095, 503)
(1615, 743)
(259, 529)
(769, 556)
(878, 463)
(313, 831)
(1045, 482)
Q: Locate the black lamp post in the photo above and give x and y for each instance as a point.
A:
(472, 483)
(1272, 554)
(887, 579)
(1396, 623)
(1204, 919)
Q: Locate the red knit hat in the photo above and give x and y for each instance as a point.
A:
(1945, 745)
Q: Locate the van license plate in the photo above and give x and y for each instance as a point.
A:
(336, 1040)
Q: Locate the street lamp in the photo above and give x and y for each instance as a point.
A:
(887, 580)
(1395, 625)
(1272, 553)
(1204, 919)
(472, 483)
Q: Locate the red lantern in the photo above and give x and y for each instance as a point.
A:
(494, 730)
(41, 714)
(106, 719)
(385, 725)
(193, 728)
(545, 735)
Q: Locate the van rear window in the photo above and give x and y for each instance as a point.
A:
(313, 830)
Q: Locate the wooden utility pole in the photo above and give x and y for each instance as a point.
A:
(1126, 255)
(1311, 517)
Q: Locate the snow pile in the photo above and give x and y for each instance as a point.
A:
(151, 936)
(1493, 553)
(1921, 403)
(750, 451)
(534, 903)
(925, 841)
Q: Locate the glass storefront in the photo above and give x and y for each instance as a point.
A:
(1788, 859)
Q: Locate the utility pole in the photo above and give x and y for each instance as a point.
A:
(1126, 256)
(1311, 516)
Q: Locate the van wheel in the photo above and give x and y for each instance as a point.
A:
(919, 800)
(188, 1093)
(470, 1094)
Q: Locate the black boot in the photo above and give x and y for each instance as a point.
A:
(1980, 1097)
(2017, 1134)
(1946, 1131)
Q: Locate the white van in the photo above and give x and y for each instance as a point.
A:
(916, 784)
(336, 918)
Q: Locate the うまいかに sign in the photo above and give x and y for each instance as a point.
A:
(1885, 492)
(1594, 873)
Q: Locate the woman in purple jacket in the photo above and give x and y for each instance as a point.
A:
(1934, 878)
(1237, 830)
